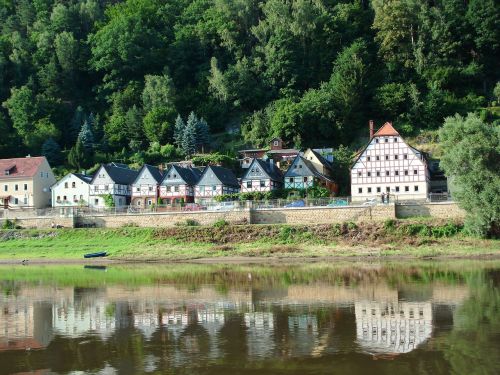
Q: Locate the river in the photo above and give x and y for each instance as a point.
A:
(415, 317)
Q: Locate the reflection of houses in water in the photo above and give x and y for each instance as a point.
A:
(303, 335)
(260, 331)
(392, 327)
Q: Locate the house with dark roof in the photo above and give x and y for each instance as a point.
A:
(113, 179)
(215, 181)
(310, 169)
(276, 151)
(25, 183)
(261, 176)
(178, 184)
(387, 164)
(71, 191)
(145, 186)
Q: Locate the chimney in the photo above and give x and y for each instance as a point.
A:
(371, 128)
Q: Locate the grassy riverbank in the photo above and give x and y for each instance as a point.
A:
(404, 238)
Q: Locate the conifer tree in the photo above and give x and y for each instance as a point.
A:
(86, 136)
(76, 156)
(52, 151)
(179, 131)
(76, 124)
(189, 137)
(202, 134)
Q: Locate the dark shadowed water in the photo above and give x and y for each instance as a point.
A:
(349, 318)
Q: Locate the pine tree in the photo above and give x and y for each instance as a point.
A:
(86, 136)
(189, 136)
(202, 134)
(76, 156)
(76, 124)
(52, 151)
(179, 131)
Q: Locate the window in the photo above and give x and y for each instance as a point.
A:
(16, 201)
(378, 190)
(377, 158)
(120, 200)
(176, 188)
(214, 188)
(406, 173)
(295, 166)
(96, 201)
(169, 189)
(369, 174)
(175, 175)
(150, 202)
(396, 157)
(386, 157)
(276, 143)
(405, 156)
(150, 188)
(360, 190)
(387, 189)
(249, 184)
(397, 189)
(16, 187)
(300, 166)
(81, 198)
(58, 198)
(41, 175)
(387, 173)
(360, 174)
(415, 171)
(395, 139)
(415, 187)
(65, 198)
(65, 185)
(25, 200)
(396, 173)
(137, 189)
(262, 183)
(369, 189)
(305, 179)
(75, 199)
(139, 203)
(25, 187)
(376, 140)
(291, 180)
(368, 158)
(386, 140)
(378, 173)
(73, 184)
(168, 176)
(106, 187)
(407, 188)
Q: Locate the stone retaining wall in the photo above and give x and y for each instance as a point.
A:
(443, 210)
(158, 220)
(42, 222)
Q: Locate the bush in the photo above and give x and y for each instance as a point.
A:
(9, 224)
(221, 223)
(192, 223)
(390, 225)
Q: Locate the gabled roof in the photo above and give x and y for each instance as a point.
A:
(322, 160)
(154, 171)
(20, 167)
(85, 178)
(224, 175)
(190, 176)
(386, 130)
(272, 171)
(119, 173)
(308, 171)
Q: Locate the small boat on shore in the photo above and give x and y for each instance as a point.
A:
(96, 255)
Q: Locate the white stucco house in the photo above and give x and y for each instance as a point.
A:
(71, 191)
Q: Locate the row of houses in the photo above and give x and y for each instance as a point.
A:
(387, 164)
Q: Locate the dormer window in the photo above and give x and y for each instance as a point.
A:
(276, 143)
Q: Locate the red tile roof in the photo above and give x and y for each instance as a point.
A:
(20, 167)
(386, 130)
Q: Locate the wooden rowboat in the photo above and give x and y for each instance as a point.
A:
(96, 255)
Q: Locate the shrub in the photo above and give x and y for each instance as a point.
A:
(221, 223)
(337, 230)
(351, 225)
(9, 224)
(390, 225)
(192, 223)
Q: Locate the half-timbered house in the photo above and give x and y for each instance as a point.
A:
(114, 179)
(178, 184)
(215, 181)
(145, 186)
(308, 170)
(261, 176)
(388, 164)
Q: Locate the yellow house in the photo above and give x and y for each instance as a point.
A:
(25, 182)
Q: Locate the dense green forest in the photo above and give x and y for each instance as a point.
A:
(84, 81)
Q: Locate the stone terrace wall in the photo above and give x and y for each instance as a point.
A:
(159, 220)
(443, 210)
(322, 215)
(42, 222)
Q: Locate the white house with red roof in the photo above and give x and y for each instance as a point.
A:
(389, 165)
(25, 183)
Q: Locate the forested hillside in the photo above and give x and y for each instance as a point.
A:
(93, 80)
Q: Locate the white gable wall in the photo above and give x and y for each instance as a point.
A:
(70, 191)
(389, 164)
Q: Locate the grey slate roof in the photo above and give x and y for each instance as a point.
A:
(190, 176)
(85, 178)
(224, 175)
(296, 172)
(273, 173)
(120, 173)
(155, 172)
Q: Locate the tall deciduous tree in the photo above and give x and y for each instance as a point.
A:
(472, 160)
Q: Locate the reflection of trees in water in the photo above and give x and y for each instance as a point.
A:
(473, 345)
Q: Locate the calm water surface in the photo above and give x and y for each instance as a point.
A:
(349, 318)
